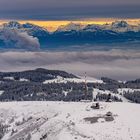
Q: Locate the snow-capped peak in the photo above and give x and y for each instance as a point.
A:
(92, 27)
(34, 29)
(70, 26)
(24, 27)
(32, 26)
(120, 24)
(28, 25)
(12, 24)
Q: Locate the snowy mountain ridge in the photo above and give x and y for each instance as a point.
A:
(73, 34)
(69, 27)
(118, 26)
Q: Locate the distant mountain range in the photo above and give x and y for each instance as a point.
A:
(119, 32)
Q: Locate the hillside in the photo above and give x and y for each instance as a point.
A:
(55, 85)
(69, 121)
(37, 75)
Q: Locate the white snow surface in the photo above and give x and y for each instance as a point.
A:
(23, 80)
(60, 79)
(123, 90)
(65, 121)
(9, 78)
(1, 92)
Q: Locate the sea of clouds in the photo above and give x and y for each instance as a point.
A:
(117, 64)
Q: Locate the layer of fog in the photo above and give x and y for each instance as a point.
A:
(118, 64)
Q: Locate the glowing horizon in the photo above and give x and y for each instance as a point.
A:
(52, 25)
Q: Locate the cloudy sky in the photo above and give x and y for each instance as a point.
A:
(68, 9)
(117, 64)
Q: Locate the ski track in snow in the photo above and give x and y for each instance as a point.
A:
(65, 121)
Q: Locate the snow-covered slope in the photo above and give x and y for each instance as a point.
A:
(31, 29)
(69, 27)
(12, 24)
(123, 90)
(119, 95)
(117, 26)
(1, 92)
(60, 79)
(70, 121)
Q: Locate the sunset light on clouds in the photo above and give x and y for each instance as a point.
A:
(72, 26)
(54, 24)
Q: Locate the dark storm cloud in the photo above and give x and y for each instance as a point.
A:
(121, 65)
(68, 9)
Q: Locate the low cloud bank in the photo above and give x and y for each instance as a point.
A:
(18, 40)
(118, 64)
